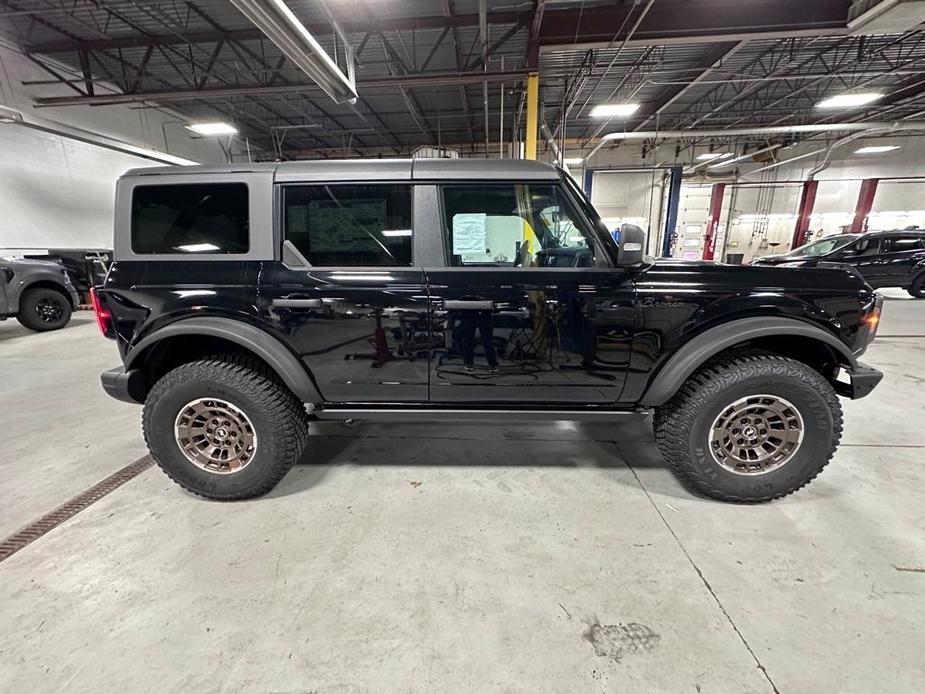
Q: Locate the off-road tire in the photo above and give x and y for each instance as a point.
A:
(917, 288)
(31, 302)
(277, 416)
(683, 425)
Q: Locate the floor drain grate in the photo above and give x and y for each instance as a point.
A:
(15, 542)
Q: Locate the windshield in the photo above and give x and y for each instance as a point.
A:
(823, 246)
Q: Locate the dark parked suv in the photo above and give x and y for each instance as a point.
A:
(884, 258)
(248, 300)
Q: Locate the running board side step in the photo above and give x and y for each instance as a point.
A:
(402, 414)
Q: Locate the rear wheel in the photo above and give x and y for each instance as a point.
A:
(750, 428)
(44, 309)
(224, 427)
(917, 288)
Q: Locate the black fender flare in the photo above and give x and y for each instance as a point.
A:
(692, 354)
(279, 358)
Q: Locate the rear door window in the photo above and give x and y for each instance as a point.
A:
(908, 243)
(202, 218)
(350, 225)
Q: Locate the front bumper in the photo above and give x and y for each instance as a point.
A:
(862, 379)
(127, 386)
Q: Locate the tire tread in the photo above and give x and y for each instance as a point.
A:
(674, 420)
(251, 375)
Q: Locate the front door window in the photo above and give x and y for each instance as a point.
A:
(515, 226)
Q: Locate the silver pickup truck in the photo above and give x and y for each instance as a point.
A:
(39, 294)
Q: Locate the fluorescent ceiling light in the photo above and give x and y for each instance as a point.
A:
(213, 129)
(278, 22)
(876, 149)
(710, 156)
(396, 232)
(573, 161)
(849, 100)
(197, 248)
(613, 110)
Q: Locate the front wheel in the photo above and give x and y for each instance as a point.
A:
(43, 309)
(224, 427)
(750, 428)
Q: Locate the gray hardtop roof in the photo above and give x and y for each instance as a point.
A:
(372, 170)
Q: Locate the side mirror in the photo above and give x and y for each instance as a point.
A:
(632, 246)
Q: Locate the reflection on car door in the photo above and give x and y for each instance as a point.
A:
(347, 295)
(521, 313)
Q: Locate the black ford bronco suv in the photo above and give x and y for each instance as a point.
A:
(249, 300)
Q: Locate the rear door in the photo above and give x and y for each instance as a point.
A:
(348, 296)
(901, 256)
(525, 310)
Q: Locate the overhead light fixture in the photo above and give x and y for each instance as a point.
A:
(614, 110)
(849, 100)
(10, 115)
(573, 161)
(876, 149)
(710, 156)
(396, 232)
(283, 28)
(215, 129)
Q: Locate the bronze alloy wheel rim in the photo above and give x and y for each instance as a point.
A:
(215, 436)
(756, 434)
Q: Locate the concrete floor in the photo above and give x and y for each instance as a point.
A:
(556, 557)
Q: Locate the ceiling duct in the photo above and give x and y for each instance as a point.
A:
(885, 16)
(759, 130)
(285, 30)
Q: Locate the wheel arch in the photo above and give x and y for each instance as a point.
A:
(47, 284)
(785, 336)
(192, 338)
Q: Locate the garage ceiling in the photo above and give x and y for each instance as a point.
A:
(422, 81)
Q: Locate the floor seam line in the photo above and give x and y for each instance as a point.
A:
(704, 580)
(37, 529)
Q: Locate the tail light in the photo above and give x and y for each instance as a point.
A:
(103, 316)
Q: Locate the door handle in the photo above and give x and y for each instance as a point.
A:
(467, 305)
(297, 303)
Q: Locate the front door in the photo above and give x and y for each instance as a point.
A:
(347, 296)
(523, 310)
(865, 256)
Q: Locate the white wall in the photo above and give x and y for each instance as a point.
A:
(56, 191)
(760, 220)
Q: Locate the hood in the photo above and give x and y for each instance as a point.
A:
(771, 275)
(784, 258)
(29, 262)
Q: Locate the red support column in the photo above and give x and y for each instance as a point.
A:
(807, 201)
(716, 209)
(864, 206)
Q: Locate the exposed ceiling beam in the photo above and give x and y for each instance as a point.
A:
(712, 61)
(413, 80)
(253, 34)
(674, 21)
(670, 21)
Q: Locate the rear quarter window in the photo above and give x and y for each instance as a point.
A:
(202, 218)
